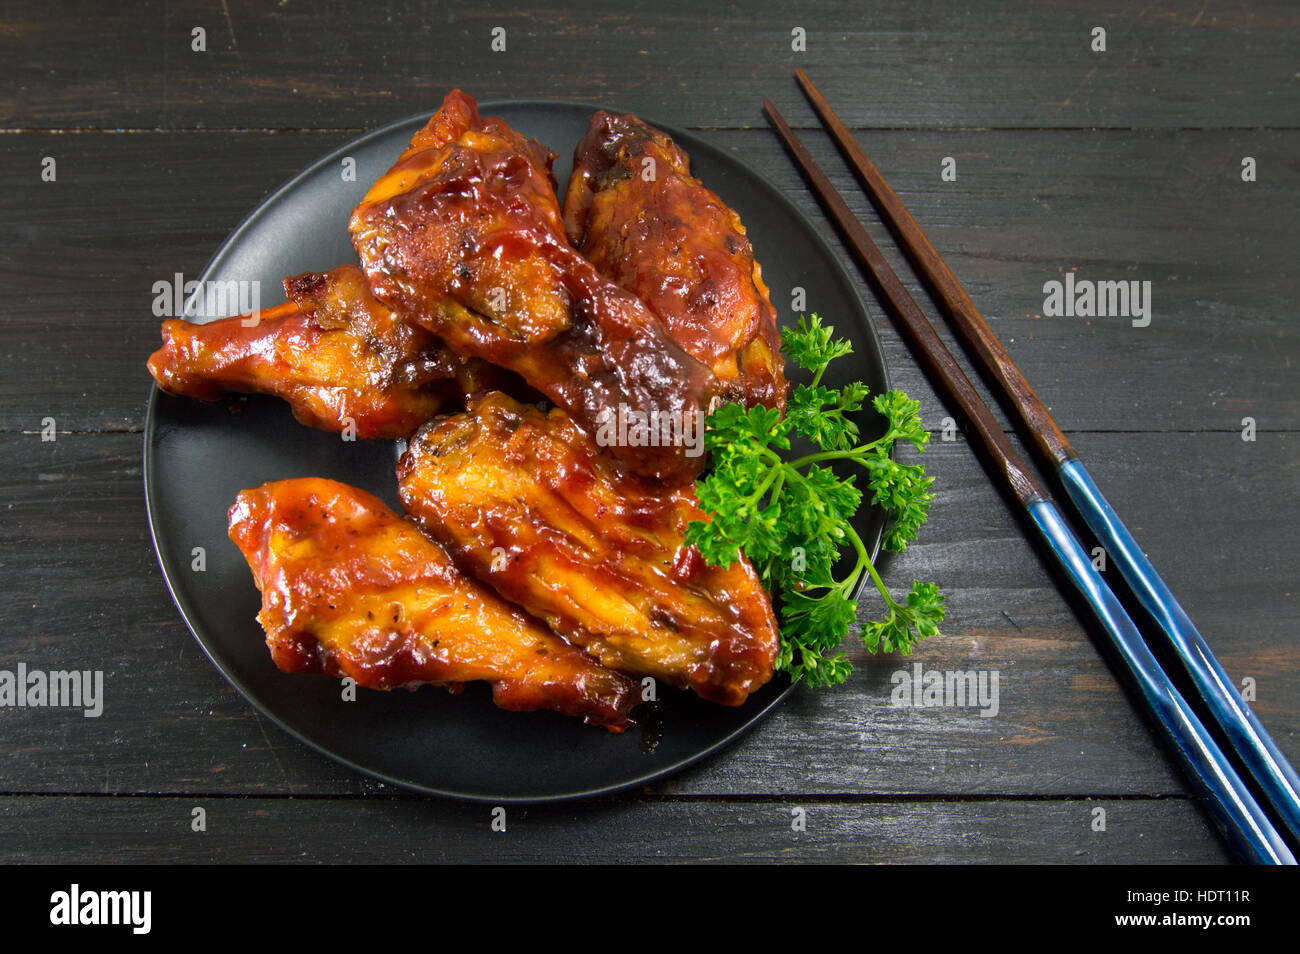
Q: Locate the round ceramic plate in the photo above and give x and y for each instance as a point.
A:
(197, 457)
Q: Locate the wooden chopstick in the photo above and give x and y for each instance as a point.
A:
(1041, 427)
(1246, 734)
(1240, 818)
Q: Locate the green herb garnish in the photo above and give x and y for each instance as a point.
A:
(793, 517)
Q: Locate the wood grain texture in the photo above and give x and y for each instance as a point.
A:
(81, 64)
(81, 256)
(411, 830)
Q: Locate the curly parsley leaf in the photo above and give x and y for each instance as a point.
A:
(792, 518)
(810, 344)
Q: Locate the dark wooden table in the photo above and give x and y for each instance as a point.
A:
(1122, 164)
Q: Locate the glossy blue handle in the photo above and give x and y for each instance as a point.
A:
(1244, 823)
(1245, 732)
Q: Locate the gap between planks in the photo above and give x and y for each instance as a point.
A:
(395, 794)
(357, 130)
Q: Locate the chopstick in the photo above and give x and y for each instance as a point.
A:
(1243, 823)
(1246, 734)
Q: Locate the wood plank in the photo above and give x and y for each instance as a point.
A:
(87, 595)
(894, 64)
(81, 256)
(388, 831)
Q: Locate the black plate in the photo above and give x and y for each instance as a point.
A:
(197, 457)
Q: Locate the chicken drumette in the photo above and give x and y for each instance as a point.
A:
(634, 209)
(464, 236)
(530, 504)
(349, 588)
(338, 356)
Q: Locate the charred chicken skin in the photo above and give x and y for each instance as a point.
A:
(464, 236)
(349, 588)
(529, 503)
(636, 212)
(337, 355)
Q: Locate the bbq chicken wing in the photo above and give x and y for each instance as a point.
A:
(349, 588)
(636, 212)
(464, 236)
(332, 351)
(527, 502)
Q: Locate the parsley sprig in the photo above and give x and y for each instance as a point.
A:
(792, 518)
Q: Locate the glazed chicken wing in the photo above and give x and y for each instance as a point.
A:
(528, 502)
(349, 588)
(634, 209)
(332, 351)
(464, 235)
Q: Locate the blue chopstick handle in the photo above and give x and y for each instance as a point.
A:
(1244, 823)
(1245, 732)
